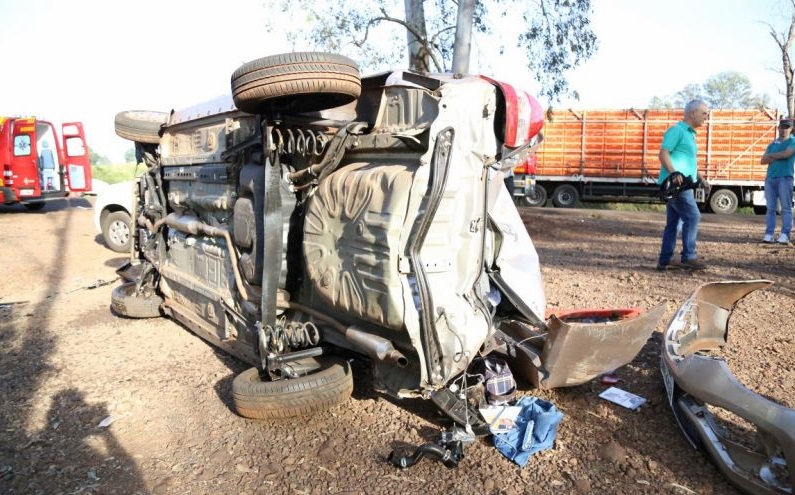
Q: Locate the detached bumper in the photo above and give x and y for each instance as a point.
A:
(693, 381)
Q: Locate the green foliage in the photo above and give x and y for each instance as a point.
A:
(555, 35)
(97, 159)
(117, 173)
(129, 156)
(726, 90)
(558, 39)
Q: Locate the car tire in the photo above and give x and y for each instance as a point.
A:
(34, 205)
(327, 384)
(142, 126)
(116, 231)
(565, 196)
(124, 302)
(296, 82)
(723, 201)
(537, 199)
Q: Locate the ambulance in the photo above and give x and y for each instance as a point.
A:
(38, 165)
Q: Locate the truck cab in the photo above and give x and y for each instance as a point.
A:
(38, 165)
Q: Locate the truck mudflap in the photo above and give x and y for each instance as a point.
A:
(694, 382)
(577, 346)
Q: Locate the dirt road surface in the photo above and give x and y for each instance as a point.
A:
(93, 403)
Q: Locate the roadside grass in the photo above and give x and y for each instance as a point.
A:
(117, 172)
(745, 210)
(657, 207)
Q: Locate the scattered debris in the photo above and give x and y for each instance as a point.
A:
(449, 449)
(12, 303)
(98, 283)
(623, 398)
(106, 422)
(536, 428)
(501, 419)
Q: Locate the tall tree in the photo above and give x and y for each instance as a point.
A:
(555, 35)
(97, 159)
(725, 90)
(784, 41)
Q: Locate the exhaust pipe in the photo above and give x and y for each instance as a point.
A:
(376, 347)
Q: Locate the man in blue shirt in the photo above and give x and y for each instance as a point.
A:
(780, 157)
(678, 154)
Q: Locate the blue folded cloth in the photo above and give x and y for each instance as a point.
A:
(536, 428)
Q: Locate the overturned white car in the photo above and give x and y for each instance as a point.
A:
(314, 216)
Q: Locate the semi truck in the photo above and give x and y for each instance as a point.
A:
(609, 155)
(38, 165)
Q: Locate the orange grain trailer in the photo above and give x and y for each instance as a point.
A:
(612, 156)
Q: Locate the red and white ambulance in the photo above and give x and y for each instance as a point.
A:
(37, 165)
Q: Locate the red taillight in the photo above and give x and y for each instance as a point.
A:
(524, 117)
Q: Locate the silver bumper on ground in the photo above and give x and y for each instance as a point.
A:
(693, 381)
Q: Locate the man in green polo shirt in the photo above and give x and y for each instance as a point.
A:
(678, 154)
(780, 157)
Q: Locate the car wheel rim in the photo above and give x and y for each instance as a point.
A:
(119, 233)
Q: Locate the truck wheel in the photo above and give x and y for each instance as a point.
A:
(116, 231)
(142, 126)
(327, 382)
(538, 198)
(296, 82)
(723, 201)
(565, 196)
(125, 302)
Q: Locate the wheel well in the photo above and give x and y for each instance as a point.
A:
(108, 210)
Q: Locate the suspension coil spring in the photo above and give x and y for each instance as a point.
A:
(290, 335)
(297, 141)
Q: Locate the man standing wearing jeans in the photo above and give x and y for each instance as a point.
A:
(678, 154)
(780, 157)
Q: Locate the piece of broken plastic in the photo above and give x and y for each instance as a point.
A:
(106, 422)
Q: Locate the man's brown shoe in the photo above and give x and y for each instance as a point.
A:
(693, 265)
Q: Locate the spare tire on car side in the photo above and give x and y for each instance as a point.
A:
(142, 126)
(328, 383)
(125, 302)
(296, 82)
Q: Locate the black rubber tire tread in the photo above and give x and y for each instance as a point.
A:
(538, 200)
(561, 192)
(117, 216)
(123, 303)
(296, 82)
(255, 398)
(34, 205)
(142, 126)
(715, 198)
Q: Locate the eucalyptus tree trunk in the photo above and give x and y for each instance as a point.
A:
(416, 36)
(463, 36)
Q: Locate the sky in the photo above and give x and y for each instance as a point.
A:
(86, 60)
